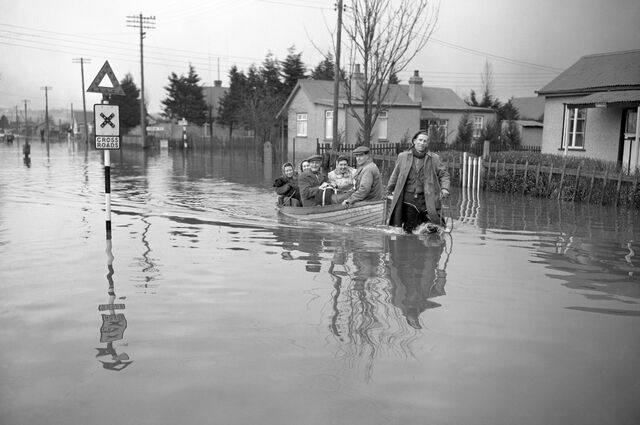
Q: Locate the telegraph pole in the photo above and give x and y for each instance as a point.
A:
(26, 122)
(46, 112)
(84, 103)
(336, 77)
(142, 23)
(17, 122)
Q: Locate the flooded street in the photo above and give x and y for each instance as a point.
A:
(209, 308)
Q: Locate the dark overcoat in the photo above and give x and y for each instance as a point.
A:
(436, 178)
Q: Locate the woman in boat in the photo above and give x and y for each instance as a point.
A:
(342, 179)
(418, 183)
(286, 186)
(304, 165)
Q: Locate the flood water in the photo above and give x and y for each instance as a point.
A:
(209, 308)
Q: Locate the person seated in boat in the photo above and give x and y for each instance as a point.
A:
(286, 186)
(342, 179)
(304, 165)
(418, 183)
(312, 183)
(367, 181)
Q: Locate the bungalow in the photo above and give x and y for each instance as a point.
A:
(308, 112)
(592, 109)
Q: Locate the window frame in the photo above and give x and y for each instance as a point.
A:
(383, 117)
(302, 120)
(328, 124)
(571, 132)
(477, 129)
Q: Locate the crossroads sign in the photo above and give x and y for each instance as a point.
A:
(107, 125)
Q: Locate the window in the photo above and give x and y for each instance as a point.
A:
(478, 123)
(328, 125)
(301, 125)
(574, 129)
(383, 125)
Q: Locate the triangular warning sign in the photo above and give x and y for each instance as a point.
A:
(95, 86)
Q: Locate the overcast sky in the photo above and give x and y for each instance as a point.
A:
(526, 42)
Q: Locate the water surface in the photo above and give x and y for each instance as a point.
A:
(207, 307)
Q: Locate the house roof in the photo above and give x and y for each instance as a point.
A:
(613, 71)
(433, 98)
(529, 108)
(631, 97)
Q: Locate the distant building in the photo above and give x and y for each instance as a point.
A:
(407, 108)
(530, 121)
(592, 109)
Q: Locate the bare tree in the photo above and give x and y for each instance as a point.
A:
(383, 36)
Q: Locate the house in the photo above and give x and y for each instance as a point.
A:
(212, 96)
(529, 123)
(308, 113)
(591, 109)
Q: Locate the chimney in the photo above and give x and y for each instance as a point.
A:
(217, 83)
(415, 87)
(357, 81)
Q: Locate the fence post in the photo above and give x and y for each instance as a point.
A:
(486, 149)
(604, 186)
(577, 183)
(524, 180)
(593, 178)
(564, 168)
(618, 188)
(550, 180)
(464, 169)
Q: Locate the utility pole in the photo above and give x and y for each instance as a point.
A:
(46, 112)
(26, 122)
(17, 122)
(336, 77)
(142, 23)
(84, 102)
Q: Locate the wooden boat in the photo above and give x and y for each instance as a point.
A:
(364, 213)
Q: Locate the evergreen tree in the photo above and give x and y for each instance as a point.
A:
(511, 135)
(129, 104)
(393, 78)
(465, 130)
(185, 98)
(232, 102)
(491, 132)
(508, 111)
(293, 69)
(325, 70)
(4, 122)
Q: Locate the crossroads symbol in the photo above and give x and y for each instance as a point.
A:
(107, 120)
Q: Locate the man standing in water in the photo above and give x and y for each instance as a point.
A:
(418, 182)
(312, 181)
(368, 186)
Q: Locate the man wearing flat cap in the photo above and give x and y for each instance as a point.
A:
(312, 181)
(368, 186)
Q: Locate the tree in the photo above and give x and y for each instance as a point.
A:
(4, 122)
(129, 104)
(465, 130)
(384, 37)
(491, 132)
(511, 135)
(185, 98)
(233, 100)
(293, 69)
(262, 98)
(325, 69)
(508, 111)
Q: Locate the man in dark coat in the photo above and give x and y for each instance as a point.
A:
(312, 181)
(418, 182)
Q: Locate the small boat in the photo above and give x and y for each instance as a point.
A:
(363, 213)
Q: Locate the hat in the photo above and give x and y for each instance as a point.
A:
(361, 150)
(315, 158)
